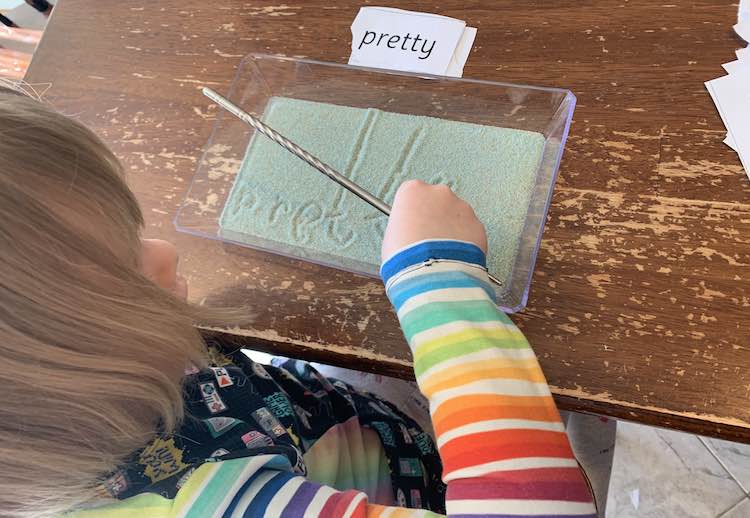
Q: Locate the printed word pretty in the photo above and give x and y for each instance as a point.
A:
(391, 41)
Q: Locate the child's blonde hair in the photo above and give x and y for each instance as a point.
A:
(92, 353)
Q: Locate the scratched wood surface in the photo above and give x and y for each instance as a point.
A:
(641, 295)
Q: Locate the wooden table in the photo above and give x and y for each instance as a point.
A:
(641, 296)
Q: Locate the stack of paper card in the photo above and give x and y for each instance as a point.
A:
(385, 37)
(731, 93)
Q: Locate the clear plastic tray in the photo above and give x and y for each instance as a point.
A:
(260, 78)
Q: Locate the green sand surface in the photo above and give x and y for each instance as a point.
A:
(280, 202)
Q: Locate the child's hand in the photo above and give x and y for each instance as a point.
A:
(422, 211)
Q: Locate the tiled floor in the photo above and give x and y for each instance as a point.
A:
(664, 474)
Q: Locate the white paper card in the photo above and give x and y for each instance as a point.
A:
(728, 140)
(735, 66)
(391, 38)
(731, 94)
(732, 97)
(744, 12)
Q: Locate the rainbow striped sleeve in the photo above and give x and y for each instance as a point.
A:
(504, 449)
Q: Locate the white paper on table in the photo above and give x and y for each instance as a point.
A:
(456, 66)
(384, 37)
(735, 66)
(728, 140)
(732, 97)
(743, 30)
(743, 54)
(743, 15)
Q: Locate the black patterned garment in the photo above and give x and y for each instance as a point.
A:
(328, 430)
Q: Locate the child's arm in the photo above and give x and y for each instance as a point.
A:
(503, 446)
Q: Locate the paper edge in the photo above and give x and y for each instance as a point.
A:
(461, 54)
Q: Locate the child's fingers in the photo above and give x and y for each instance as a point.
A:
(422, 211)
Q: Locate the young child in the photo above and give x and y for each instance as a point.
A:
(114, 406)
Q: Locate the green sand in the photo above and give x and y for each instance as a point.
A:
(279, 202)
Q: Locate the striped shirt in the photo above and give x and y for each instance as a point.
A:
(504, 449)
